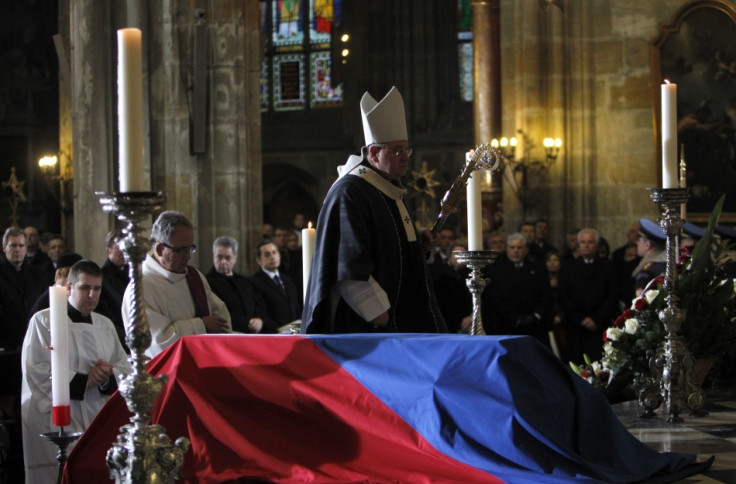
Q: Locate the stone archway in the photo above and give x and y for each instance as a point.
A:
(287, 190)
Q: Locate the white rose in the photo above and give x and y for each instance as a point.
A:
(631, 325)
(651, 295)
(596, 367)
(613, 334)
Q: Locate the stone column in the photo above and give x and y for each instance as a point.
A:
(218, 189)
(487, 70)
(92, 128)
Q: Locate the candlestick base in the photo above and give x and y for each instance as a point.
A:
(476, 261)
(62, 440)
(672, 365)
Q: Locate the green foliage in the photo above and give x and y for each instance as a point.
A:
(709, 328)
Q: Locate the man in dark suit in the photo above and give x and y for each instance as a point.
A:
(518, 297)
(283, 300)
(247, 308)
(114, 281)
(541, 247)
(588, 296)
(20, 285)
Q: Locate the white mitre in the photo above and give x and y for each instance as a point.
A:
(383, 121)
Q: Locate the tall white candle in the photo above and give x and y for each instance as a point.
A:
(59, 357)
(308, 236)
(669, 135)
(130, 112)
(475, 211)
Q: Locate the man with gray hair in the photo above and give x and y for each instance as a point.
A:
(178, 299)
(518, 298)
(246, 306)
(588, 296)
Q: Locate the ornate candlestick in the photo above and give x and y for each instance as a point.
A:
(143, 452)
(672, 365)
(476, 260)
(62, 441)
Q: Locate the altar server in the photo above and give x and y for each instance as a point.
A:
(97, 362)
(369, 272)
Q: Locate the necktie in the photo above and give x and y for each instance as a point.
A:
(280, 283)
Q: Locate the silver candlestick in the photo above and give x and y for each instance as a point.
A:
(476, 261)
(143, 452)
(672, 365)
(62, 440)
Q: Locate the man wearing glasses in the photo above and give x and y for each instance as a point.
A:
(368, 272)
(179, 301)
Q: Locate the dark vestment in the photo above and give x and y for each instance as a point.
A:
(587, 290)
(18, 291)
(114, 282)
(281, 308)
(361, 233)
(242, 300)
(517, 300)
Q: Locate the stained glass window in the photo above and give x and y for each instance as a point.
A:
(465, 48)
(297, 70)
(288, 75)
(323, 94)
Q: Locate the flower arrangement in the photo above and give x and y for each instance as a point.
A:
(709, 328)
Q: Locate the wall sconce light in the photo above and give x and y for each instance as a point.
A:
(523, 172)
(53, 175)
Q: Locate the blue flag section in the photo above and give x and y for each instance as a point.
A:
(505, 405)
(381, 408)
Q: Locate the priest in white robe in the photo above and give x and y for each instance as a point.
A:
(97, 362)
(178, 298)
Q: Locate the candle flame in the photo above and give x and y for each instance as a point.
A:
(666, 81)
(309, 225)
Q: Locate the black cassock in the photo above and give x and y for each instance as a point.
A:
(361, 233)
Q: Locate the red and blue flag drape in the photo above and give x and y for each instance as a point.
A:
(380, 408)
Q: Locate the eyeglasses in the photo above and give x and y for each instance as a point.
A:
(190, 249)
(398, 151)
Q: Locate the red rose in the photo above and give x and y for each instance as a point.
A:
(641, 304)
(619, 322)
(605, 336)
(627, 314)
(585, 374)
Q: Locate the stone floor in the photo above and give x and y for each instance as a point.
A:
(712, 435)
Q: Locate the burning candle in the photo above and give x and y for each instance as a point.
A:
(308, 236)
(130, 112)
(61, 411)
(475, 219)
(669, 135)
